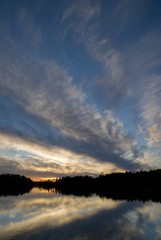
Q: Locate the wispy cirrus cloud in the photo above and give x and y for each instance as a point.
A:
(113, 78)
(129, 70)
(146, 89)
(44, 106)
(78, 15)
(151, 111)
(29, 28)
(36, 159)
(42, 103)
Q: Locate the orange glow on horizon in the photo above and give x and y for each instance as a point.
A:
(45, 179)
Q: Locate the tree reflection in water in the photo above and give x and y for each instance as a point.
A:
(44, 215)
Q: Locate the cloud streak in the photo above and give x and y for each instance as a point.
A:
(43, 105)
(53, 111)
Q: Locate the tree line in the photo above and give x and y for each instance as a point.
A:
(128, 181)
(142, 185)
(14, 184)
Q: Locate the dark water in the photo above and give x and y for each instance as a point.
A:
(44, 215)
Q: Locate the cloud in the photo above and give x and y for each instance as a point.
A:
(151, 111)
(68, 211)
(78, 15)
(43, 105)
(40, 102)
(35, 159)
(113, 81)
(124, 66)
(128, 13)
(143, 56)
(29, 28)
(29, 167)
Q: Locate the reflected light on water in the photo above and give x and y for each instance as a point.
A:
(44, 214)
(40, 209)
(43, 190)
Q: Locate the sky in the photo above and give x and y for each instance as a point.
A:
(80, 87)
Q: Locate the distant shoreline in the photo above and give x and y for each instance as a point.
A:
(143, 185)
(14, 184)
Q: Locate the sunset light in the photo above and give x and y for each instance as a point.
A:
(80, 85)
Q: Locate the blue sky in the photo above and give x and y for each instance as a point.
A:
(80, 86)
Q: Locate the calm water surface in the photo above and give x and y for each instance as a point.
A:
(44, 215)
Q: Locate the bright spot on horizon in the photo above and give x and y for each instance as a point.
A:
(80, 87)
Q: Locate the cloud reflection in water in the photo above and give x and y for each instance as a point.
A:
(42, 215)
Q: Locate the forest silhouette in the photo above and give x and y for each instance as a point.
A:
(14, 184)
(142, 185)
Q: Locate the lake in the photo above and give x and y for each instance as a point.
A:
(48, 215)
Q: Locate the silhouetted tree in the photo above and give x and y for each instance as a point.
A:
(11, 184)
